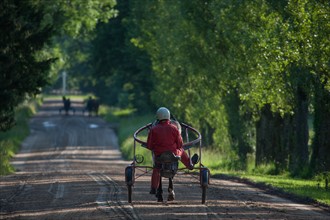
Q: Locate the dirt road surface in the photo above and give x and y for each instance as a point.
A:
(70, 167)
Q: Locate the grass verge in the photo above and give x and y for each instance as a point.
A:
(127, 126)
(310, 188)
(71, 96)
(220, 163)
(10, 140)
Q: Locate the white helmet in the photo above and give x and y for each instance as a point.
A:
(163, 113)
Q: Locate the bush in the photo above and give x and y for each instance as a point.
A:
(266, 169)
(10, 140)
(6, 152)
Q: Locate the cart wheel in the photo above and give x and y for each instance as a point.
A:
(204, 183)
(203, 194)
(129, 179)
(129, 191)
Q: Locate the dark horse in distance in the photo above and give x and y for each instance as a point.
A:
(92, 105)
(66, 106)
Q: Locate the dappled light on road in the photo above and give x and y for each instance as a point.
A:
(71, 168)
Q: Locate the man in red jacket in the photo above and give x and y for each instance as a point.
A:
(166, 137)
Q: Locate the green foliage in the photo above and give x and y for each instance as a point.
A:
(81, 97)
(123, 80)
(218, 162)
(301, 187)
(26, 50)
(74, 22)
(22, 73)
(215, 64)
(266, 53)
(6, 152)
(75, 18)
(189, 79)
(10, 140)
(128, 124)
(266, 169)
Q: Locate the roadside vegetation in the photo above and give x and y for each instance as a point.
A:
(249, 75)
(10, 141)
(250, 89)
(126, 123)
(312, 188)
(74, 96)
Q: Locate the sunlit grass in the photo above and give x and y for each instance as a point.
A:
(71, 96)
(223, 163)
(126, 123)
(218, 161)
(10, 140)
(302, 187)
(310, 188)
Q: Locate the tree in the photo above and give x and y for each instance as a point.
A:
(123, 70)
(23, 72)
(320, 54)
(244, 62)
(75, 22)
(188, 64)
(27, 31)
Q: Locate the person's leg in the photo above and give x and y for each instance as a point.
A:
(184, 158)
(154, 176)
(155, 179)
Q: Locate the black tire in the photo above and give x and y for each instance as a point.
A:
(129, 193)
(203, 194)
(129, 179)
(129, 175)
(204, 183)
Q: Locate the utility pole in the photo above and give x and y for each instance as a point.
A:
(64, 83)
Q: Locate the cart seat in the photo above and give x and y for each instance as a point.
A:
(168, 164)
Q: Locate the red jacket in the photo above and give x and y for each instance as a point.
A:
(164, 137)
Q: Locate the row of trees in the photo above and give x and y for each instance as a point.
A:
(34, 44)
(123, 70)
(21, 73)
(249, 74)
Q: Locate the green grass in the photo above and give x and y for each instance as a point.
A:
(224, 163)
(10, 140)
(81, 96)
(311, 188)
(128, 123)
(127, 126)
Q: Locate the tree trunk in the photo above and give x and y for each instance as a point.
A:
(238, 128)
(264, 148)
(299, 154)
(274, 136)
(321, 144)
(207, 133)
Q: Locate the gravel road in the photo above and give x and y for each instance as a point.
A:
(70, 167)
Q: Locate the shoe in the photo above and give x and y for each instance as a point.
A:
(195, 159)
(152, 191)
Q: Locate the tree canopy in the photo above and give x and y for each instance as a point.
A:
(223, 64)
(28, 30)
(248, 74)
(23, 73)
